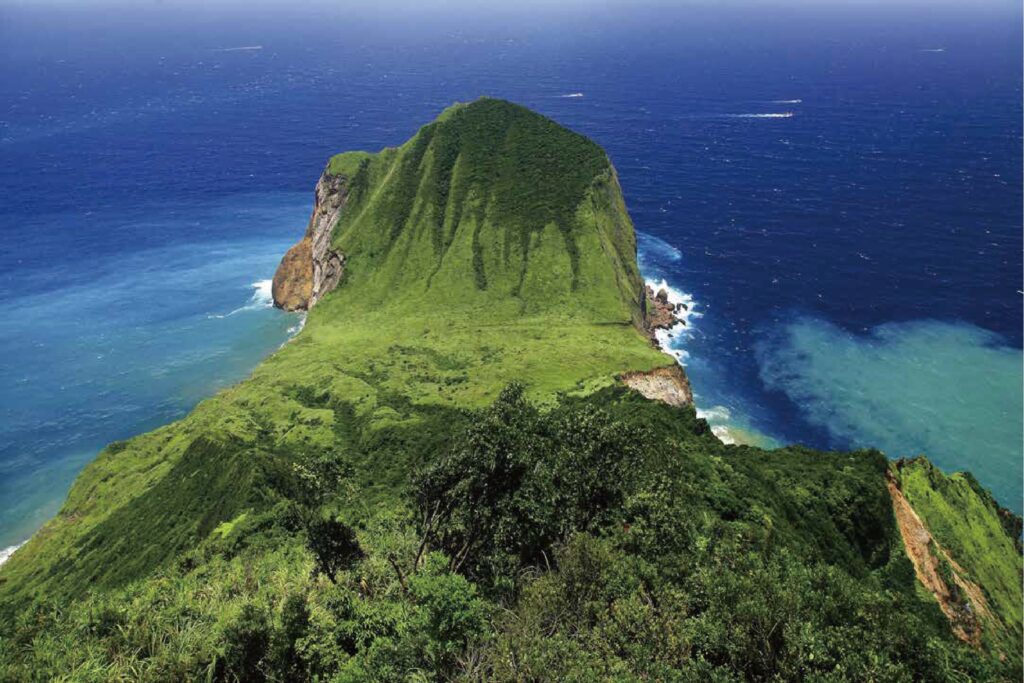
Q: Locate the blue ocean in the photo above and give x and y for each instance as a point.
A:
(835, 186)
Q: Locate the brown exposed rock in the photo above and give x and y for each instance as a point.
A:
(667, 384)
(963, 602)
(659, 313)
(312, 268)
(293, 281)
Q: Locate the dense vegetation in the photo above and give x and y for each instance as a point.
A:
(608, 537)
(439, 479)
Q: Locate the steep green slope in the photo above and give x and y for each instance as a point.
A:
(606, 538)
(439, 478)
(975, 540)
(554, 305)
(535, 210)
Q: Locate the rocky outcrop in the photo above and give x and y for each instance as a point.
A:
(659, 312)
(668, 384)
(312, 268)
(293, 281)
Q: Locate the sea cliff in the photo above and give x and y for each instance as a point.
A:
(311, 268)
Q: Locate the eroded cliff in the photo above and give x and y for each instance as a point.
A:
(668, 384)
(312, 267)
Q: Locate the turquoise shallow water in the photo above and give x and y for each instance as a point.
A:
(951, 391)
(943, 388)
(125, 342)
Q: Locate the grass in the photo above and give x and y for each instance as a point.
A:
(965, 520)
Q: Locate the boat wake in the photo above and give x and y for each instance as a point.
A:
(780, 115)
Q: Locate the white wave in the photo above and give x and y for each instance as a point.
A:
(724, 435)
(670, 340)
(241, 48)
(714, 414)
(297, 327)
(933, 49)
(262, 297)
(571, 95)
(780, 115)
(787, 101)
(6, 553)
(264, 293)
(718, 418)
(676, 297)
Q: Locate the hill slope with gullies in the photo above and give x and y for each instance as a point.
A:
(446, 475)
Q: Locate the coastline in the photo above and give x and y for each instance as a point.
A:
(654, 257)
(258, 301)
(671, 341)
(6, 553)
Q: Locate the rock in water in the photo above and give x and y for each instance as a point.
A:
(659, 312)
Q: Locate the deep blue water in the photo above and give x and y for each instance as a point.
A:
(855, 264)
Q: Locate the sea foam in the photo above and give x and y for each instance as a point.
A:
(659, 262)
(671, 340)
(6, 553)
(262, 297)
(651, 251)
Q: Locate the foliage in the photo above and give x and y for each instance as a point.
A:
(982, 537)
(522, 480)
(439, 480)
(333, 544)
(603, 538)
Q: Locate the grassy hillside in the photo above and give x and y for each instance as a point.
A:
(414, 323)
(978, 536)
(439, 479)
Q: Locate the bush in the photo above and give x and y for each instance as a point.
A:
(334, 546)
(245, 644)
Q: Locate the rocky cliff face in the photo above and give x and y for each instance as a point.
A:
(312, 268)
(668, 385)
